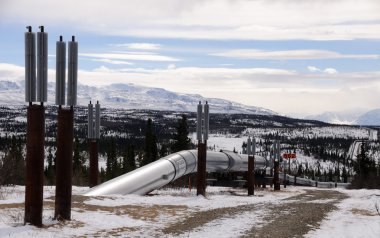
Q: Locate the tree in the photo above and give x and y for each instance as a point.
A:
(150, 150)
(79, 168)
(129, 162)
(12, 167)
(365, 168)
(163, 150)
(113, 167)
(181, 139)
(50, 168)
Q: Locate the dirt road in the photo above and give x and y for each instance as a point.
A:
(294, 217)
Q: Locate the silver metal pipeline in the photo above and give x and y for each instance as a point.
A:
(165, 170)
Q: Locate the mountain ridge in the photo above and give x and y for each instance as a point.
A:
(131, 96)
(354, 117)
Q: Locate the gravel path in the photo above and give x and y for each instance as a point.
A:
(295, 217)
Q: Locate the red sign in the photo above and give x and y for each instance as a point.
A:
(289, 156)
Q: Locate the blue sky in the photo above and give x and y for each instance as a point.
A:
(291, 56)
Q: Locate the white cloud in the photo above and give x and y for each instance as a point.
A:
(171, 66)
(143, 56)
(109, 61)
(330, 71)
(313, 69)
(291, 54)
(206, 19)
(139, 46)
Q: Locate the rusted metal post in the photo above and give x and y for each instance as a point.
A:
(64, 164)
(94, 167)
(276, 179)
(201, 170)
(34, 180)
(284, 174)
(250, 175)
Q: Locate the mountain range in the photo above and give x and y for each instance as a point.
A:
(131, 96)
(355, 117)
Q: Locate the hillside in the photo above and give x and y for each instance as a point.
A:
(131, 96)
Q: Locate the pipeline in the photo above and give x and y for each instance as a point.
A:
(167, 169)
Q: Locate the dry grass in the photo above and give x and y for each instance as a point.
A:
(120, 231)
(362, 212)
(146, 213)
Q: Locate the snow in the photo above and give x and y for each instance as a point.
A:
(356, 217)
(130, 96)
(133, 215)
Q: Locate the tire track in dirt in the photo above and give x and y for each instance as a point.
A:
(299, 214)
(293, 218)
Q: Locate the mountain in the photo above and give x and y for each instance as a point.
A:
(371, 118)
(355, 117)
(131, 96)
(344, 117)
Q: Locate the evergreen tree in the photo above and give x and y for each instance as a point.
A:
(12, 167)
(50, 168)
(129, 162)
(79, 168)
(330, 174)
(365, 168)
(163, 151)
(150, 150)
(344, 175)
(113, 168)
(181, 139)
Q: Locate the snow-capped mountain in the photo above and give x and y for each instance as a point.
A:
(344, 118)
(371, 118)
(130, 96)
(355, 117)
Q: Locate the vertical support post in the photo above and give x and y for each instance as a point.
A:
(276, 175)
(94, 167)
(93, 135)
(34, 179)
(202, 133)
(201, 169)
(285, 174)
(251, 166)
(276, 165)
(64, 164)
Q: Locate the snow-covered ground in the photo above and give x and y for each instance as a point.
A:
(147, 216)
(357, 216)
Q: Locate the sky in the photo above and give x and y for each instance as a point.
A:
(296, 57)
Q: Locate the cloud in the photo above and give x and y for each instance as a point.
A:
(139, 46)
(330, 71)
(313, 69)
(171, 66)
(109, 61)
(143, 56)
(206, 19)
(291, 54)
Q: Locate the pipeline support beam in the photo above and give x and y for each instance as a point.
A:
(34, 179)
(276, 179)
(201, 170)
(94, 167)
(251, 182)
(64, 164)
